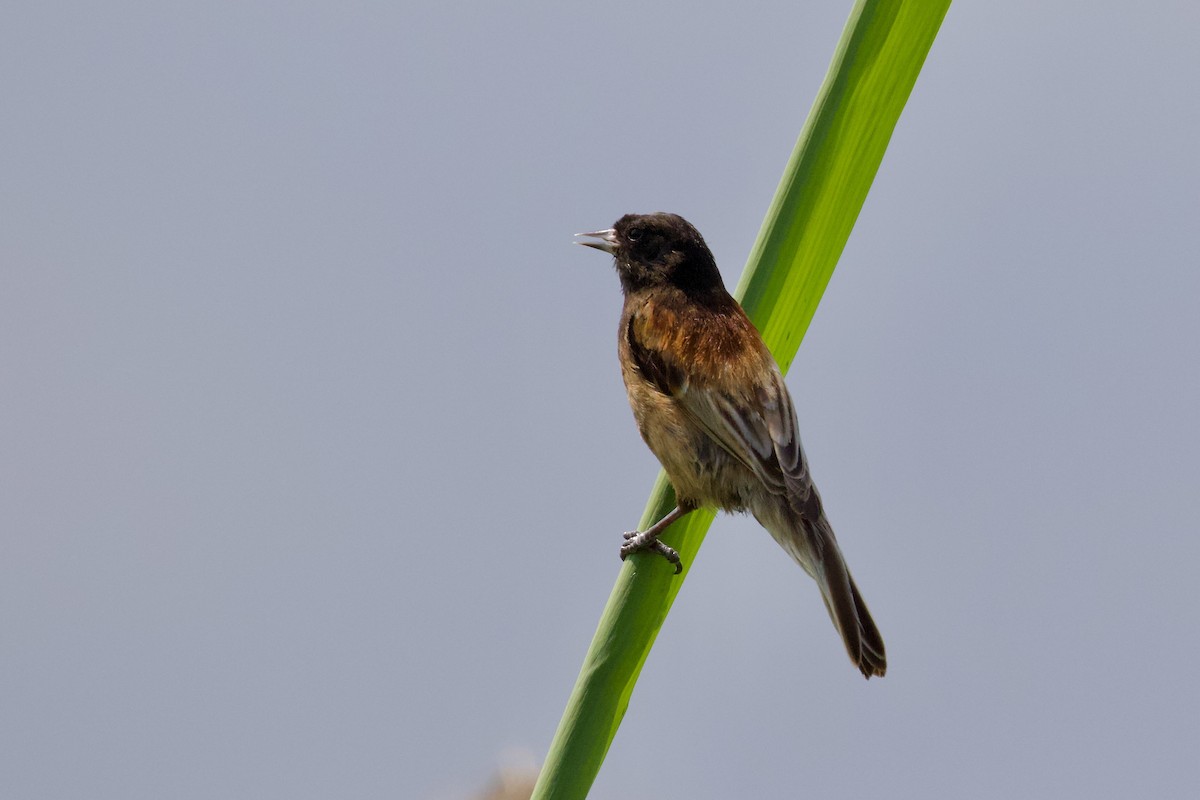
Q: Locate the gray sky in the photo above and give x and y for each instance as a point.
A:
(314, 455)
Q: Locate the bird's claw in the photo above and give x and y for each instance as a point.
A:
(636, 542)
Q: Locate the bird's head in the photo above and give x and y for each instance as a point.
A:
(657, 249)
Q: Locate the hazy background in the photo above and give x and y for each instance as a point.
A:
(314, 454)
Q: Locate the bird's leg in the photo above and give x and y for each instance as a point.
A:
(636, 541)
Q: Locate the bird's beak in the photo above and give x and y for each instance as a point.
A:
(607, 243)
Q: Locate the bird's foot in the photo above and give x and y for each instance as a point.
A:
(635, 542)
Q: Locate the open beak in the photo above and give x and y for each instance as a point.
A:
(607, 240)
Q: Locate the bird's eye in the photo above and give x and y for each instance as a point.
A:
(633, 234)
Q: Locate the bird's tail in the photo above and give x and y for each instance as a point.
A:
(815, 548)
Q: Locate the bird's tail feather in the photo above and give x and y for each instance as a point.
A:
(813, 545)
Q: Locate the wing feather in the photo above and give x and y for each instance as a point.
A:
(759, 430)
(752, 418)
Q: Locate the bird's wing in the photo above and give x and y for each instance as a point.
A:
(757, 425)
(735, 392)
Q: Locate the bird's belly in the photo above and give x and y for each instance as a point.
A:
(701, 471)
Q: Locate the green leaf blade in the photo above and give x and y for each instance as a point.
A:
(824, 186)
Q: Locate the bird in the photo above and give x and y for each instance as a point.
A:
(711, 404)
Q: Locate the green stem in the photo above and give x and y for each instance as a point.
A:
(818, 200)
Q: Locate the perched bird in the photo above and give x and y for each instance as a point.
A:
(711, 404)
